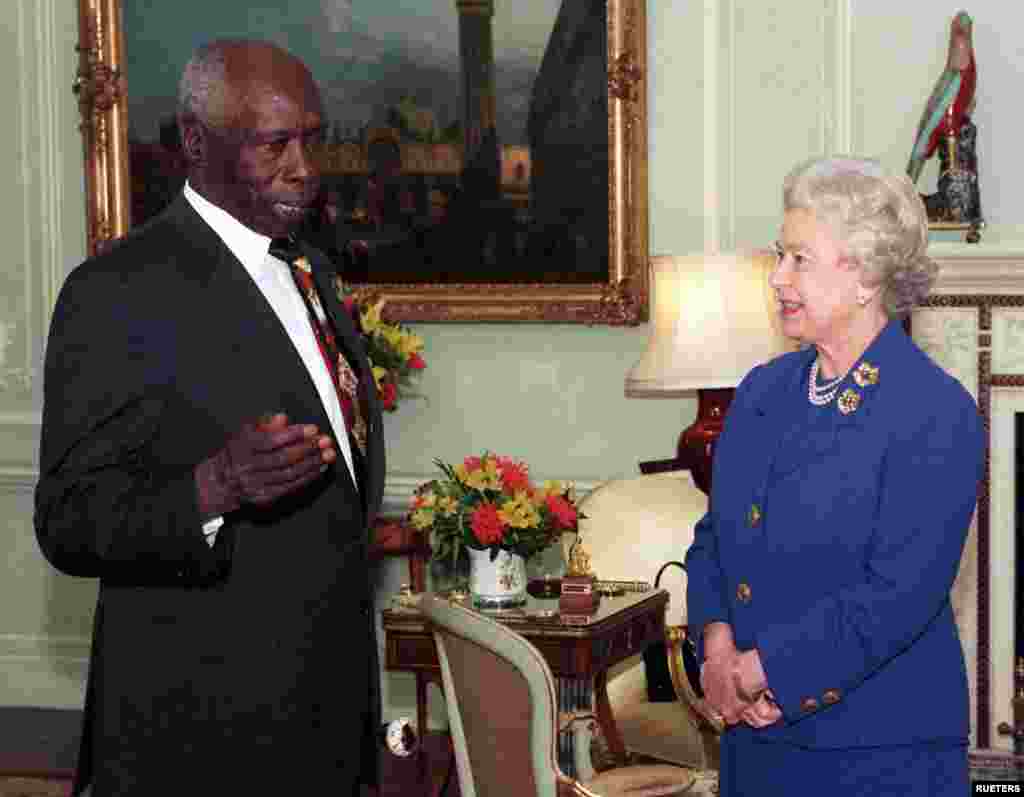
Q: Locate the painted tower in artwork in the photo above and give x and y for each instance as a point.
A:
(481, 152)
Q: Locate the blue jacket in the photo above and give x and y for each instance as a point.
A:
(840, 573)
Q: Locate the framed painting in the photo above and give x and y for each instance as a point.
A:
(485, 160)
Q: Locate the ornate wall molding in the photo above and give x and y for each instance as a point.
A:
(975, 269)
(20, 481)
(34, 273)
(733, 92)
(47, 671)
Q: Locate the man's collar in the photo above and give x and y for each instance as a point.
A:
(249, 246)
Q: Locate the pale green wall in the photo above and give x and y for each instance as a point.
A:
(44, 617)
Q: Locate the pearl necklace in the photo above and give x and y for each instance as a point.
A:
(820, 395)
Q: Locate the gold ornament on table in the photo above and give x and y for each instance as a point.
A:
(579, 584)
(579, 559)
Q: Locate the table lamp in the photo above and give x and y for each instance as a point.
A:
(713, 319)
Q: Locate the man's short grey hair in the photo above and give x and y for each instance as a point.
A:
(202, 91)
(878, 216)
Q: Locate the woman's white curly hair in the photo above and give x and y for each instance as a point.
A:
(877, 216)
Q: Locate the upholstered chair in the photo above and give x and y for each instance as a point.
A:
(633, 527)
(504, 720)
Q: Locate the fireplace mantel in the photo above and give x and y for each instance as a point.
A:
(973, 325)
(978, 268)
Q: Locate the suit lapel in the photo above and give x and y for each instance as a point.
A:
(760, 449)
(247, 310)
(268, 348)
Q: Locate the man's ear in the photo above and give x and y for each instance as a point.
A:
(193, 142)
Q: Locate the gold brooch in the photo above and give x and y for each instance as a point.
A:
(848, 401)
(866, 374)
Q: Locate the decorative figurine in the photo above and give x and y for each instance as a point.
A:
(579, 584)
(946, 126)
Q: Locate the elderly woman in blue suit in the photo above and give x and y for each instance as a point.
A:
(843, 489)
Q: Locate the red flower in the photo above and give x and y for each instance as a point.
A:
(514, 475)
(487, 525)
(416, 362)
(388, 395)
(564, 512)
(471, 464)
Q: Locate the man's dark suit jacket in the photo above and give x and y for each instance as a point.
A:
(249, 667)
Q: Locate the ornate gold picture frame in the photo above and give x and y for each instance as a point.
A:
(102, 87)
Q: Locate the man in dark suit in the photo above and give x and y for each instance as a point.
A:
(211, 451)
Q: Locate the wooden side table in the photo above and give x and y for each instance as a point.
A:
(579, 651)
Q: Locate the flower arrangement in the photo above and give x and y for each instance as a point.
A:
(395, 352)
(489, 502)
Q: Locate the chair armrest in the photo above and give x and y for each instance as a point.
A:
(567, 787)
(675, 639)
(584, 726)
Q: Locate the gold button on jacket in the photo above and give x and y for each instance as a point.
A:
(743, 592)
(808, 704)
(831, 696)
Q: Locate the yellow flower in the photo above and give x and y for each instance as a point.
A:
(481, 480)
(422, 518)
(410, 344)
(371, 316)
(549, 487)
(486, 477)
(519, 511)
(393, 335)
(378, 375)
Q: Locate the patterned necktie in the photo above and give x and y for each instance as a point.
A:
(344, 378)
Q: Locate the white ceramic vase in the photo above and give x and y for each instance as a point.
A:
(500, 584)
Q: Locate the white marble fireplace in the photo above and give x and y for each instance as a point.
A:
(973, 325)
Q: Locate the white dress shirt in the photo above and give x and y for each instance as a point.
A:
(274, 279)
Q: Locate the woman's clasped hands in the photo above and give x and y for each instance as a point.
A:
(734, 682)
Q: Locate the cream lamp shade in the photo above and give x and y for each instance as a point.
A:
(713, 319)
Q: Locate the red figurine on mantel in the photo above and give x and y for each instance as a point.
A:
(946, 127)
(952, 98)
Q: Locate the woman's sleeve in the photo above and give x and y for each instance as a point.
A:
(705, 595)
(705, 602)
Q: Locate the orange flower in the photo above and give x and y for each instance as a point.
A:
(563, 511)
(487, 525)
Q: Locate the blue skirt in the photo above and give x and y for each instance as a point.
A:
(767, 769)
